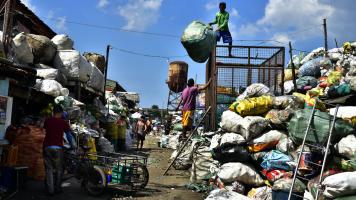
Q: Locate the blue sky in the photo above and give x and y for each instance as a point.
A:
(298, 21)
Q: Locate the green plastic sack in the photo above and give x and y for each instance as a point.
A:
(199, 40)
(347, 198)
(319, 131)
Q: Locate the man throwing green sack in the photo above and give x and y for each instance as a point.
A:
(222, 31)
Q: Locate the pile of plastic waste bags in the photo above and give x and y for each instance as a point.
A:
(255, 152)
(56, 63)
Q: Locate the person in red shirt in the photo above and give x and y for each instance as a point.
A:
(55, 127)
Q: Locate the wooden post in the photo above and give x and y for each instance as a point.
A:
(293, 67)
(7, 24)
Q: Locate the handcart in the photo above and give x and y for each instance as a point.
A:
(97, 172)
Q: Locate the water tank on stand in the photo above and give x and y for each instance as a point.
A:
(177, 76)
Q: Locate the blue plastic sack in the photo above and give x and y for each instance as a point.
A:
(311, 68)
(276, 160)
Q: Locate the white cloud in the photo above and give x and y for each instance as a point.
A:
(102, 3)
(61, 24)
(280, 37)
(234, 12)
(295, 15)
(211, 5)
(139, 14)
(29, 4)
(248, 30)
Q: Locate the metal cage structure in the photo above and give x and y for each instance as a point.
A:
(232, 74)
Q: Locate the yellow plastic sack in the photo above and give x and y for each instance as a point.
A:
(92, 150)
(254, 106)
(233, 107)
(347, 47)
(299, 95)
(334, 77)
(311, 98)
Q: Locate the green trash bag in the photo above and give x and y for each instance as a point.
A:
(199, 40)
(319, 130)
(178, 127)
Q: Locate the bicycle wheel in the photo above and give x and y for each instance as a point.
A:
(140, 176)
(95, 182)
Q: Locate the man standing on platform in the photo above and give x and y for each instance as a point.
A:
(188, 100)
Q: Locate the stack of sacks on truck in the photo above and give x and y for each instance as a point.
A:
(254, 153)
(56, 63)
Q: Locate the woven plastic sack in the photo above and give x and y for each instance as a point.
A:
(287, 102)
(261, 193)
(254, 106)
(285, 184)
(63, 42)
(306, 81)
(276, 160)
(229, 121)
(21, 49)
(334, 77)
(311, 68)
(266, 141)
(232, 138)
(252, 126)
(199, 40)
(347, 146)
(254, 90)
(242, 173)
(202, 161)
(321, 125)
(43, 48)
(341, 184)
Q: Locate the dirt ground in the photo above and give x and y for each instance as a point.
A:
(170, 187)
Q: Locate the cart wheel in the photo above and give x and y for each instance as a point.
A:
(95, 183)
(140, 176)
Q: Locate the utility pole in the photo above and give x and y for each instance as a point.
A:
(293, 67)
(325, 37)
(106, 69)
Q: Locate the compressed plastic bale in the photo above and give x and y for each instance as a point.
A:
(185, 159)
(252, 126)
(21, 49)
(321, 125)
(254, 106)
(232, 138)
(338, 185)
(311, 68)
(43, 48)
(242, 173)
(73, 65)
(315, 53)
(254, 90)
(266, 141)
(96, 59)
(347, 146)
(50, 87)
(51, 74)
(199, 40)
(96, 80)
(287, 102)
(202, 162)
(223, 194)
(229, 121)
(63, 42)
